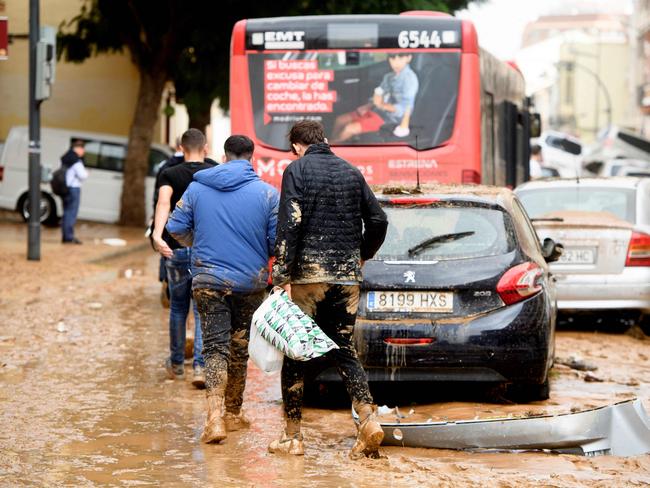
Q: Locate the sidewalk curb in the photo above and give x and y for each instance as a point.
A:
(120, 253)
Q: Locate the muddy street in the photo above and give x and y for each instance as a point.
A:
(84, 399)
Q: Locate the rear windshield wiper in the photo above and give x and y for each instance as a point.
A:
(547, 219)
(437, 239)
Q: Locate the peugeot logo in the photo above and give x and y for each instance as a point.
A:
(409, 277)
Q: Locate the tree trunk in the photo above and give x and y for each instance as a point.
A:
(199, 115)
(152, 82)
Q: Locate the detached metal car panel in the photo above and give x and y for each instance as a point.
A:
(459, 291)
(604, 225)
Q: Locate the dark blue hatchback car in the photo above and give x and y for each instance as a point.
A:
(459, 291)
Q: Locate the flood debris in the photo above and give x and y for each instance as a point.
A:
(620, 429)
(577, 363)
(114, 241)
(591, 378)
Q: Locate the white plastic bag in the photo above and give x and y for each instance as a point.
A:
(288, 328)
(265, 356)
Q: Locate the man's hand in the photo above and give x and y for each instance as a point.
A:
(287, 288)
(162, 247)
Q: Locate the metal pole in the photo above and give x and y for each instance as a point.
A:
(34, 226)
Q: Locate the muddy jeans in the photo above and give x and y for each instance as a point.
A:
(225, 321)
(334, 308)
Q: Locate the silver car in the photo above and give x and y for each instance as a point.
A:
(604, 225)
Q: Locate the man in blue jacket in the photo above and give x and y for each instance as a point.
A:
(228, 215)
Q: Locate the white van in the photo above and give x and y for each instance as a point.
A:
(101, 192)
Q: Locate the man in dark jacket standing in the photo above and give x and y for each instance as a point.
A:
(329, 223)
(228, 215)
(74, 176)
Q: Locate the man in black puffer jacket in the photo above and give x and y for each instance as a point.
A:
(329, 223)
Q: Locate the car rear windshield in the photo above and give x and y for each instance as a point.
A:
(617, 201)
(473, 232)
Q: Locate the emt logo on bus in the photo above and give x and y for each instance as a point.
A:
(279, 39)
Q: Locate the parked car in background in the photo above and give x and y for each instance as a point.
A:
(617, 142)
(634, 171)
(562, 152)
(604, 225)
(618, 167)
(459, 291)
(104, 160)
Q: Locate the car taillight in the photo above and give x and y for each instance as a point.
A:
(413, 201)
(2, 172)
(638, 253)
(470, 176)
(519, 283)
(402, 341)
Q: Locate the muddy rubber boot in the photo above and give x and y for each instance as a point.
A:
(369, 433)
(290, 442)
(215, 427)
(236, 421)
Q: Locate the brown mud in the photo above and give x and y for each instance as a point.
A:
(84, 399)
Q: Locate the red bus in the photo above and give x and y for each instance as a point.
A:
(405, 98)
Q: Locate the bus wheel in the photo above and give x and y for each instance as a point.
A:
(48, 209)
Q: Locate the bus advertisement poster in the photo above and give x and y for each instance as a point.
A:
(360, 98)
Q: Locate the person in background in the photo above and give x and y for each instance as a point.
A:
(228, 215)
(74, 177)
(174, 181)
(329, 223)
(536, 161)
(175, 159)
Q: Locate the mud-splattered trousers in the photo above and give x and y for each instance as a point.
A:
(179, 279)
(334, 308)
(226, 320)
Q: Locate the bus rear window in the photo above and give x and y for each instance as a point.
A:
(361, 97)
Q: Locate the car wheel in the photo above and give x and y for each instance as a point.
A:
(529, 392)
(48, 209)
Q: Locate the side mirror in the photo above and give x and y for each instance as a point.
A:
(551, 250)
(535, 125)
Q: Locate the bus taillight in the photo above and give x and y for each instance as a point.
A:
(470, 176)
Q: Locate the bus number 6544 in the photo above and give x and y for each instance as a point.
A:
(415, 39)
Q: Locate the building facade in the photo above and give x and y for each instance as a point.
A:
(579, 70)
(97, 95)
(642, 27)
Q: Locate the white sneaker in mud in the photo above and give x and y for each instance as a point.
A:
(198, 380)
(288, 445)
